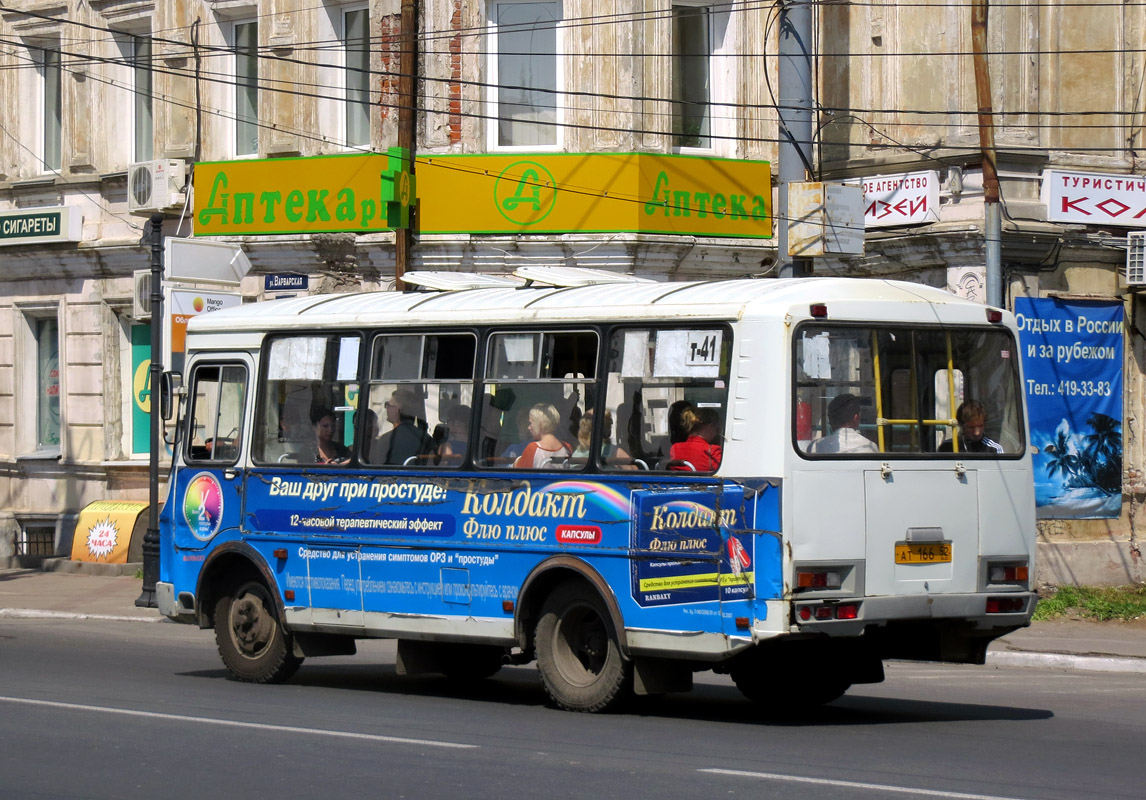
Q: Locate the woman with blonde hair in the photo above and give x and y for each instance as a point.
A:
(543, 421)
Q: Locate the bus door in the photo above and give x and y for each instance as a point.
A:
(207, 486)
(922, 530)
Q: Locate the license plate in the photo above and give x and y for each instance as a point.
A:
(923, 553)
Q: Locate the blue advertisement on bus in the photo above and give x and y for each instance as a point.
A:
(1072, 354)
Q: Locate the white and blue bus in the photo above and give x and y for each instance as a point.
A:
(627, 481)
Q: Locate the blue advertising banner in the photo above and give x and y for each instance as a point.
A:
(1072, 364)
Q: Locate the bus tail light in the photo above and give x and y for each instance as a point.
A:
(1005, 605)
(818, 579)
(1008, 573)
(994, 315)
(818, 310)
(847, 611)
(828, 611)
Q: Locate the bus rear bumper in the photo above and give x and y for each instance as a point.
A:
(936, 627)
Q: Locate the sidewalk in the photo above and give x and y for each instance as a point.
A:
(72, 591)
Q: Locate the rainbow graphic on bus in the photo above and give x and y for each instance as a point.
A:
(606, 498)
(203, 506)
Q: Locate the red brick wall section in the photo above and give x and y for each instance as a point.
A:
(455, 88)
(390, 52)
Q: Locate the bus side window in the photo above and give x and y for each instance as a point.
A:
(306, 411)
(549, 377)
(218, 397)
(420, 400)
(656, 381)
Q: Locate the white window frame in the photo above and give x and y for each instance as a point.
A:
(722, 77)
(124, 103)
(27, 387)
(333, 104)
(347, 103)
(492, 90)
(35, 102)
(233, 88)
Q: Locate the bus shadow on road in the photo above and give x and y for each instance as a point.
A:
(707, 702)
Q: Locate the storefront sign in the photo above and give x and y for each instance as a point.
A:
(1072, 365)
(1095, 198)
(904, 199)
(181, 306)
(594, 193)
(322, 194)
(41, 226)
(104, 531)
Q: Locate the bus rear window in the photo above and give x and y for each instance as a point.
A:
(947, 392)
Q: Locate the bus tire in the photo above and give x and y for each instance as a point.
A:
(251, 640)
(577, 652)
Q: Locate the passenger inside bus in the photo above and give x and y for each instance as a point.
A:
(678, 427)
(610, 453)
(327, 450)
(406, 440)
(544, 420)
(844, 417)
(454, 448)
(701, 451)
(972, 419)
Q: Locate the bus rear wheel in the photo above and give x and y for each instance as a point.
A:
(251, 640)
(577, 652)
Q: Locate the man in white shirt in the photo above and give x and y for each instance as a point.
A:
(844, 417)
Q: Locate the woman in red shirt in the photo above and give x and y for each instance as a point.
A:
(700, 449)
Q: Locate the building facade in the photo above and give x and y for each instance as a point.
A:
(91, 93)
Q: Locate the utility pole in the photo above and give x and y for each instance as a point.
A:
(795, 129)
(992, 209)
(150, 548)
(407, 126)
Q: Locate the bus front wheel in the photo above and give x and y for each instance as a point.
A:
(577, 652)
(251, 640)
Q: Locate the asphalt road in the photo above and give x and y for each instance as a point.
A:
(97, 709)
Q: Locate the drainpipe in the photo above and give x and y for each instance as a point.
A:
(992, 210)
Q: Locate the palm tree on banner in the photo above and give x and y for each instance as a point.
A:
(1063, 457)
(1103, 452)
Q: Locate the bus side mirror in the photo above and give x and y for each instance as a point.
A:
(170, 385)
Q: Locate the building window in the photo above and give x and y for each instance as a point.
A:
(356, 53)
(526, 70)
(143, 132)
(51, 123)
(37, 540)
(47, 343)
(245, 42)
(692, 49)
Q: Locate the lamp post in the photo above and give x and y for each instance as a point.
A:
(146, 598)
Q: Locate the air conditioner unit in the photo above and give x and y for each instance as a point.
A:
(154, 186)
(1135, 259)
(141, 296)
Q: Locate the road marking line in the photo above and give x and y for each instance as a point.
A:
(878, 787)
(32, 613)
(370, 737)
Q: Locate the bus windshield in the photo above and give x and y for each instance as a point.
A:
(940, 392)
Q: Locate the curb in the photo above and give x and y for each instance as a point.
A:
(1066, 661)
(31, 613)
